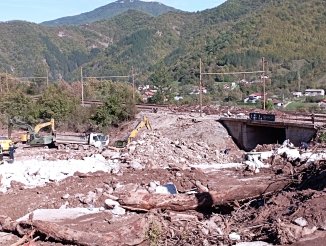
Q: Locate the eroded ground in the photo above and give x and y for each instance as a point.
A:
(124, 200)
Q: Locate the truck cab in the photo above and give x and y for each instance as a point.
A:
(98, 140)
(5, 143)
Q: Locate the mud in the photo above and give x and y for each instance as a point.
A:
(168, 154)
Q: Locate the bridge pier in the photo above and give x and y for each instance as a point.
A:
(247, 133)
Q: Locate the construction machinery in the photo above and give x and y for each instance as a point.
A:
(55, 139)
(5, 143)
(81, 141)
(144, 122)
(32, 136)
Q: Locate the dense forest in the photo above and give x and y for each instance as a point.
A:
(234, 36)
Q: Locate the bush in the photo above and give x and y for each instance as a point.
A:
(118, 104)
(17, 104)
(58, 103)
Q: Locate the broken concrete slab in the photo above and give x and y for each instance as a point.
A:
(56, 215)
(8, 238)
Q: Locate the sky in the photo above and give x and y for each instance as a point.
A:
(38, 11)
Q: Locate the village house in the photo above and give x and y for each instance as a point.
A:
(253, 98)
(314, 92)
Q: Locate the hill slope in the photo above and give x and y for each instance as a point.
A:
(235, 36)
(113, 9)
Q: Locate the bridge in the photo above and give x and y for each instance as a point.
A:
(248, 133)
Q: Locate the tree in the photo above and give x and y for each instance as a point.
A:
(57, 102)
(17, 104)
(118, 104)
(163, 82)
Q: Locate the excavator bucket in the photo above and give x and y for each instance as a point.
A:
(144, 122)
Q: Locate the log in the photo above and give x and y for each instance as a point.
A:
(133, 232)
(182, 202)
(130, 232)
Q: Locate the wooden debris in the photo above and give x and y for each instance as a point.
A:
(182, 202)
(129, 232)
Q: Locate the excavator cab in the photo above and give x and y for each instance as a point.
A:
(144, 122)
(32, 136)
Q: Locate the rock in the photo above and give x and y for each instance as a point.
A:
(307, 231)
(234, 236)
(136, 165)
(178, 174)
(206, 243)
(112, 197)
(108, 189)
(301, 222)
(205, 231)
(64, 206)
(128, 188)
(117, 210)
(255, 243)
(8, 238)
(152, 185)
(151, 190)
(201, 187)
(115, 156)
(213, 227)
(65, 196)
(168, 189)
(131, 149)
(108, 153)
(99, 190)
(109, 203)
(89, 199)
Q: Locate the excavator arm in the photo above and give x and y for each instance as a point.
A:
(32, 133)
(38, 127)
(20, 124)
(144, 122)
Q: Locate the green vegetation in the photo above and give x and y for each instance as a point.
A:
(118, 104)
(110, 10)
(154, 234)
(302, 107)
(232, 37)
(60, 101)
(322, 137)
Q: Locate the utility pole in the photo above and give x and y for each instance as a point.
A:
(200, 89)
(47, 78)
(6, 80)
(133, 82)
(82, 86)
(299, 81)
(264, 84)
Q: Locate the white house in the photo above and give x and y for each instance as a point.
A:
(297, 94)
(253, 98)
(314, 92)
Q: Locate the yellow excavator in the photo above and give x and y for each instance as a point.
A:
(5, 143)
(144, 122)
(32, 136)
(27, 136)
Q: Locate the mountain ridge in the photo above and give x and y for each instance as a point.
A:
(111, 10)
(232, 37)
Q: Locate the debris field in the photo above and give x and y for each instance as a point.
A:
(185, 182)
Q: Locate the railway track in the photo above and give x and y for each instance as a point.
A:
(306, 117)
(139, 106)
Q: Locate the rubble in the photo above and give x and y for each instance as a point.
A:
(184, 183)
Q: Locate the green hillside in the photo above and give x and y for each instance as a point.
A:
(111, 10)
(290, 34)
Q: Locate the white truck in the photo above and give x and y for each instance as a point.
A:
(81, 141)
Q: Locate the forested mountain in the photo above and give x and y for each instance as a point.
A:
(290, 34)
(113, 9)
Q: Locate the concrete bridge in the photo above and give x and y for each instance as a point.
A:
(248, 133)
